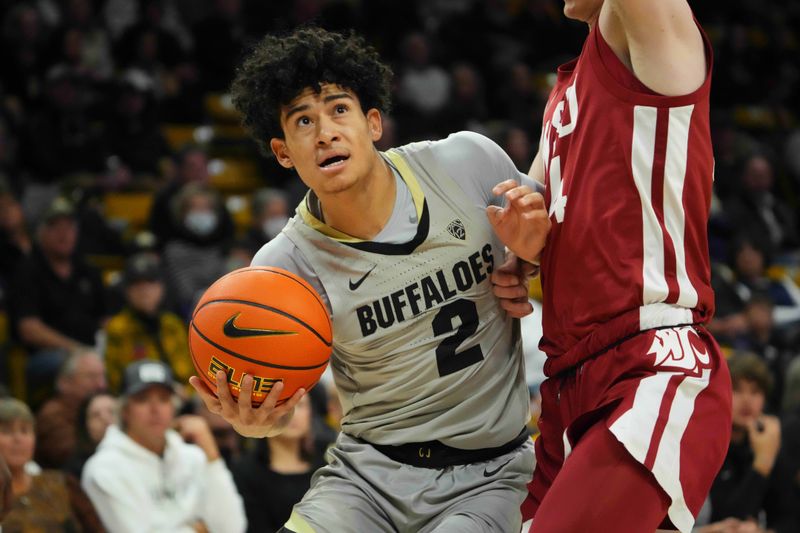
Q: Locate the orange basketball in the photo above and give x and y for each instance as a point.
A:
(262, 321)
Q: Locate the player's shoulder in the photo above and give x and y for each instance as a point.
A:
(280, 252)
(467, 144)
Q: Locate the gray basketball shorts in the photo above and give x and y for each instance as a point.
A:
(363, 491)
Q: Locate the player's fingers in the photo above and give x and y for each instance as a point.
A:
(510, 293)
(206, 394)
(246, 398)
(517, 308)
(268, 405)
(288, 405)
(505, 279)
(224, 394)
(516, 193)
(504, 186)
(532, 200)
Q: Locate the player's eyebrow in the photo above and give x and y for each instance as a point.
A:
(303, 107)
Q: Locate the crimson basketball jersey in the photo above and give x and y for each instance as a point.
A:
(628, 187)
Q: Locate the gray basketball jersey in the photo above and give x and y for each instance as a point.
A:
(422, 349)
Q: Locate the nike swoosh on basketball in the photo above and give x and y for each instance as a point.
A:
(230, 329)
(357, 284)
(490, 473)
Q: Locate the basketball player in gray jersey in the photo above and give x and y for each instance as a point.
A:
(427, 358)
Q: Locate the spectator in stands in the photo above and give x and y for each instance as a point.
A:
(95, 415)
(143, 329)
(196, 257)
(753, 479)
(466, 108)
(423, 86)
(15, 241)
(81, 375)
(46, 501)
(25, 43)
(151, 46)
(286, 461)
(219, 40)
(95, 50)
(191, 167)
(270, 213)
(758, 212)
(57, 300)
(6, 493)
(134, 134)
(62, 137)
(146, 477)
(228, 441)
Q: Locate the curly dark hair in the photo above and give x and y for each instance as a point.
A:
(279, 68)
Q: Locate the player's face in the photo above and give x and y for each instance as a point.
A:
(748, 402)
(149, 414)
(328, 139)
(583, 10)
(17, 441)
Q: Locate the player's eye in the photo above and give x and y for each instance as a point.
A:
(341, 108)
(303, 121)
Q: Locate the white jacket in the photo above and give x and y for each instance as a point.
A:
(135, 490)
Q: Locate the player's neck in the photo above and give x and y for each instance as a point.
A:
(363, 210)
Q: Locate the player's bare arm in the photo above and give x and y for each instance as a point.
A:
(266, 420)
(523, 224)
(510, 284)
(536, 172)
(658, 40)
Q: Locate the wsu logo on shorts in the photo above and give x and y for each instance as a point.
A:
(679, 348)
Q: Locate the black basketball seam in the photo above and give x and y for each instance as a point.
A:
(248, 359)
(268, 308)
(313, 293)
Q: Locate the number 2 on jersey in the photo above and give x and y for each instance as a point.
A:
(448, 359)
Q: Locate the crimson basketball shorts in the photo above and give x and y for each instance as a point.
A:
(664, 394)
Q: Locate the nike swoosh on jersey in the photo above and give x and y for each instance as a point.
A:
(357, 284)
(230, 329)
(490, 473)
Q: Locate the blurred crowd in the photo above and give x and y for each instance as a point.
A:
(127, 187)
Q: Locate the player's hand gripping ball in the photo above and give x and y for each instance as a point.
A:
(262, 321)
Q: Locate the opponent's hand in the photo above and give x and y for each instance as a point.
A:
(523, 224)
(510, 284)
(266, 420)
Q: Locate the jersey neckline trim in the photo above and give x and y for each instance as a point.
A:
(399, 164)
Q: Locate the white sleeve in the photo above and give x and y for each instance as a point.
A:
(118, 508)
(282, 253)
(222, 508)
(477, 163)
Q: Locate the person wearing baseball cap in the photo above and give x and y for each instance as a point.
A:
(148, 476)
(143, 329)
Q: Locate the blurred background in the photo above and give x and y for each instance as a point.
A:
(127, 185)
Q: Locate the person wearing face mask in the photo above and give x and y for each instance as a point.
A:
(270, 213)
(195, 258)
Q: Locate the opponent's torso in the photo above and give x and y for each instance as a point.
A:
(422, 350)
(628, 185)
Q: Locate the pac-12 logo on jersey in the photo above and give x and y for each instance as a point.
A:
(679, 348)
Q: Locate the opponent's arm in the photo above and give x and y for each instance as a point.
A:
(658, 40)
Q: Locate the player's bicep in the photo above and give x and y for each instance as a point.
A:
(655, 22)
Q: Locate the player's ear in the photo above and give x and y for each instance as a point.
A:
(375, 123)
(278, 147)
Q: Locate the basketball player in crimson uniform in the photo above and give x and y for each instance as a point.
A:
(638, 397)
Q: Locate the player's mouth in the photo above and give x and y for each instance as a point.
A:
(333, 162)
